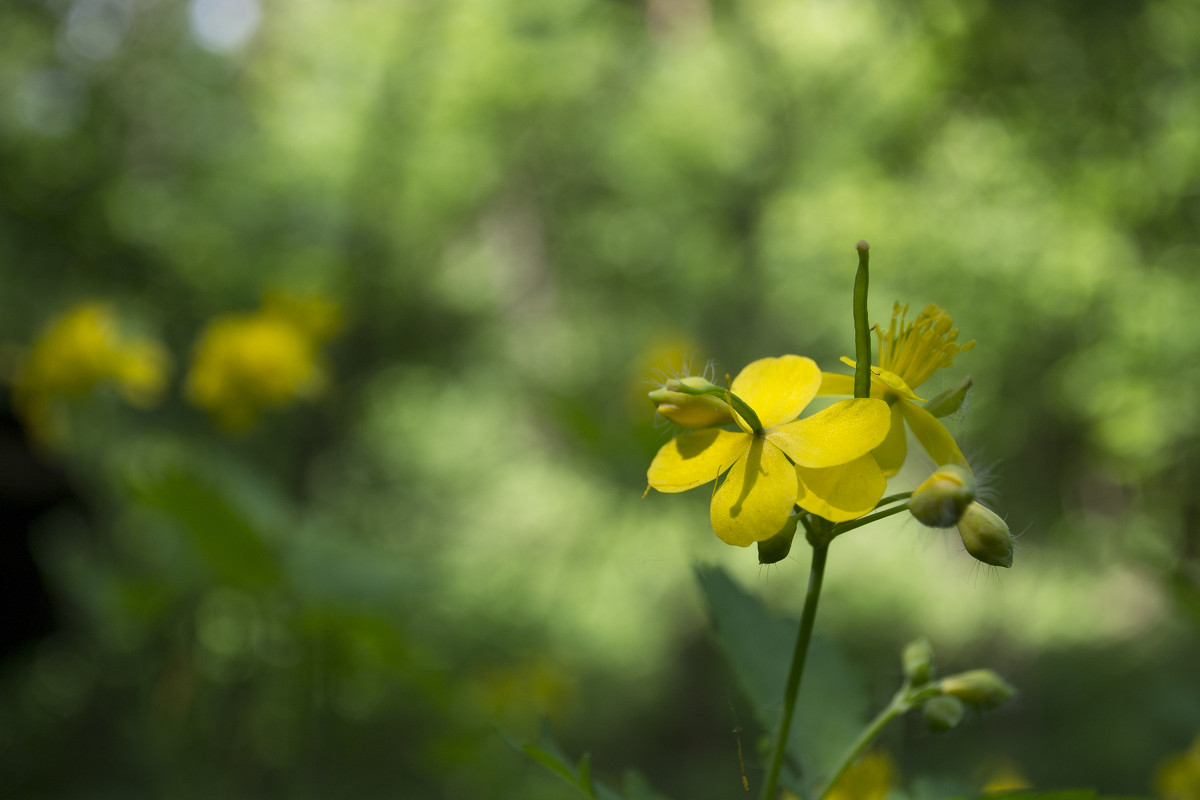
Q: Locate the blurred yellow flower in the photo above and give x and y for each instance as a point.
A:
(245, 364)
(79, 351)
(1005, 777)
(1178, 778)
(870, 778)
(820, 463)
(909, 353)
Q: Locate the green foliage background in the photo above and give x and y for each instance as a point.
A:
(517, 203)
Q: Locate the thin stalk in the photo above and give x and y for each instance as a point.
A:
(894, 709)
(862, 388)
(844, 527)
(892, 498)
(862, 328)
(905, 700)
(799, 655)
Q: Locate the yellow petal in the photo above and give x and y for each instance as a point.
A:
(838, 435)
(890, 455)
(841, 493)
(778, 389)
(757, 496)
(836, 383)
(932, 435)
(695, 458)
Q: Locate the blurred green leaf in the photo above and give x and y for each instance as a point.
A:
(229, 544)
(547, 753)
(637, 788)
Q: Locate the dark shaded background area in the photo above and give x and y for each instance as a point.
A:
(523, 208)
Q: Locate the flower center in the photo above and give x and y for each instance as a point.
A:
(915, 350)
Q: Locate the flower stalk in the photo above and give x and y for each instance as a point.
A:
(862, 327)
(808, 617)
(820, 543)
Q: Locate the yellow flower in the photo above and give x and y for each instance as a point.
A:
(909, 353)
(247, 363)
(870, 778)
(79, 351)
(820, 463)
(1005, 777)
(1178, 778)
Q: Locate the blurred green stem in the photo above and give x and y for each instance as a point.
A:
(807, 617)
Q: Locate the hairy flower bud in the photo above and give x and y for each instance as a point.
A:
(690, 410)
(978, 687)
(950, 400)
(917, 659)
(943, 713)
(986, 536)
(940, 501)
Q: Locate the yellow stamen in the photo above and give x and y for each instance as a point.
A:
(915, 350)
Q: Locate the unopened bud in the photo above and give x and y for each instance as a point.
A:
(918, 661)
(688, 409)
(979, 687)
(775, 549)
(943, 713)
(940, 501)
(986, 536)
(950, 400)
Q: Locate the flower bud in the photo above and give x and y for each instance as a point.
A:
(979, 687)
(940, 501)
(775, 549)
(950, 400)
(691, 410)
(986, 536)
(918, 661)
(943, 713)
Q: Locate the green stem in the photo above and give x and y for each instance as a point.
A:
(892, 498)
(862, 328)
(844, 527)
(898, 706)
(815, 576)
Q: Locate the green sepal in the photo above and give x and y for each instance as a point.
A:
(950, 400)
(776, 549)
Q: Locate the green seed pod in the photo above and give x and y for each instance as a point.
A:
(917, 659)
(940, 501)
(691, 410)
(775, 549)
(986, 536)
(943, 713)
(978, 687)
(950, 400)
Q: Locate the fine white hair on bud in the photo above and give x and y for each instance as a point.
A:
(943, 497)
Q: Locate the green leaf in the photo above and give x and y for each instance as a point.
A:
(229, 545)
(550, 755)
(637, 788)
(585, 775)
(550, 762)
(758, 646)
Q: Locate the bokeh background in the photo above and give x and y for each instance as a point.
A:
(325, 332)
